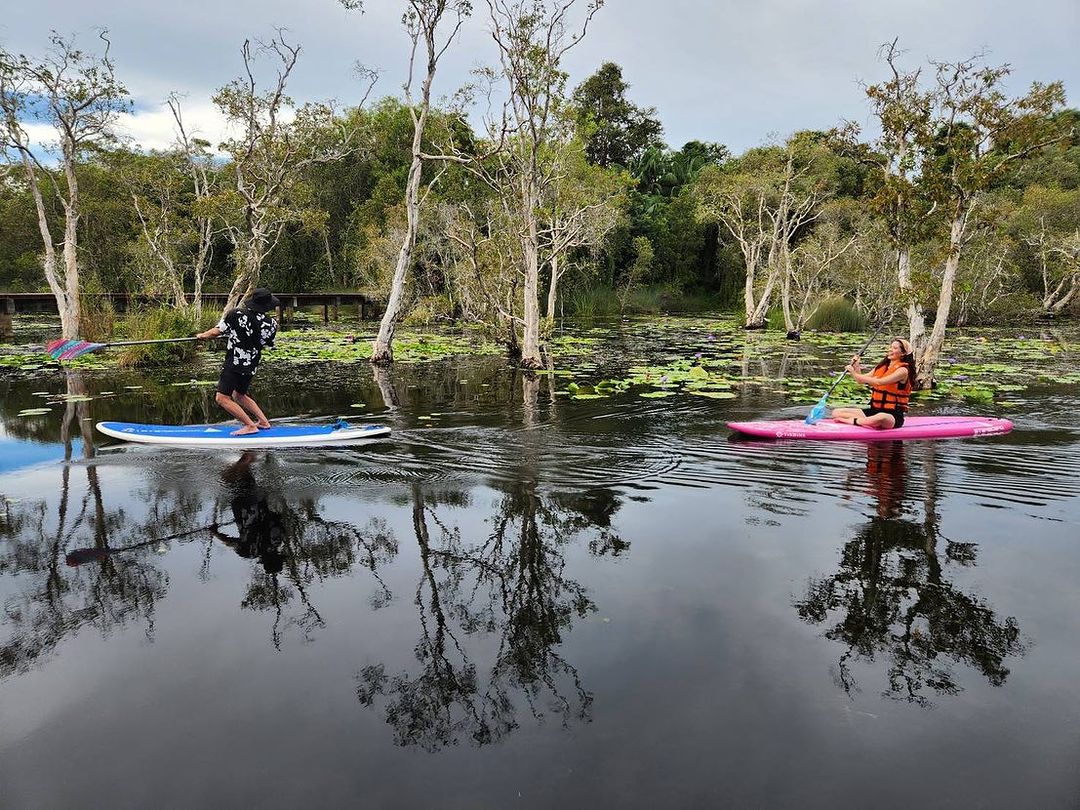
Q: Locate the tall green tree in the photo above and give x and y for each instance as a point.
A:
(20, 241)
(617, 131)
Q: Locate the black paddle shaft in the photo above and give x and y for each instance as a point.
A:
(865, 346)
(80, 556)
(148, 342)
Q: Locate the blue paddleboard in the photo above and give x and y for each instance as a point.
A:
(296, 435)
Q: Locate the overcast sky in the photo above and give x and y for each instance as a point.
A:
(736, 72)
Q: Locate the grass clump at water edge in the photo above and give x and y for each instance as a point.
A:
(156, 324)
(837, 314)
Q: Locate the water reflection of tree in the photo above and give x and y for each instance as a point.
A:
(892, 598)
(55, 600)
(512, 585)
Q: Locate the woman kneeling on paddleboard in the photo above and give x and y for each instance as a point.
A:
(891, 382)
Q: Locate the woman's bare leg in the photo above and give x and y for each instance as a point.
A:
(848, 415)
(880, 421)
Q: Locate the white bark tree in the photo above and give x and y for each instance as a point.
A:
(960, 136)
(532, 37)
(985, 276)
(481, 264)
(772, 194)
(582, 207)
(276, 142)
(171, 195)
(1048, 222)
(78, 95)
(903, 109)
(978, 134)
(867, 272)
(422, 20)
(812, 261)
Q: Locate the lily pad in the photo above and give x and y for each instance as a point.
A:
(714, 394)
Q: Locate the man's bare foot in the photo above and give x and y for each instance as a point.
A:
(263, 425)
(246, 430)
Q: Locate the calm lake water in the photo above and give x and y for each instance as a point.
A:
(521, 599)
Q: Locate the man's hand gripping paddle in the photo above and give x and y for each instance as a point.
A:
(818, 411)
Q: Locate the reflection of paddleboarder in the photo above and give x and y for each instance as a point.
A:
(886, 471)
(260, 530)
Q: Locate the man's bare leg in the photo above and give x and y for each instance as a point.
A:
(252, 407)
(237, 412)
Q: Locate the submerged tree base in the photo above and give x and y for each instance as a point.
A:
(531, 363)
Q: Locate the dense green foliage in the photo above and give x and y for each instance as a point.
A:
(667, 235)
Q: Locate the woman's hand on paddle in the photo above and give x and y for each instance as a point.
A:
(854, 366)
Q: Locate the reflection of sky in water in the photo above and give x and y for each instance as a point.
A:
(16, 454)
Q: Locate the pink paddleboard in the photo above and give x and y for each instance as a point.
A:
(915, 427)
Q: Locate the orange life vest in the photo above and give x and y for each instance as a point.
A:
(891, 397)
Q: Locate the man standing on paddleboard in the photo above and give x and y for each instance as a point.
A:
(249, 330)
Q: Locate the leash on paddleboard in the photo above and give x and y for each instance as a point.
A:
(818, 411)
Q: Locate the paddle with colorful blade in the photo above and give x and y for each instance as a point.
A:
(70, 349)
(818, 411)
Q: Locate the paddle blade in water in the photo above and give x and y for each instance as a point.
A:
(57, 347)
(85, 555)
(816, 413)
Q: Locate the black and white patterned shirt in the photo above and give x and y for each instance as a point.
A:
(248, 334)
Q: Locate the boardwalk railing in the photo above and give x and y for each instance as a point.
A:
(331, 303)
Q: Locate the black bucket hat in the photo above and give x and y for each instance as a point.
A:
(262, 300)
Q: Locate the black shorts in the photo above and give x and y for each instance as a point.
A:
(233, 382)
(898, 416)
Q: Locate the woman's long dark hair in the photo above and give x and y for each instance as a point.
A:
(908, 360)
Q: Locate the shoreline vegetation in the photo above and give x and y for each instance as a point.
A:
(964, 210)
(703, 355)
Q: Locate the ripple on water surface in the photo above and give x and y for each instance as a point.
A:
(636, 444)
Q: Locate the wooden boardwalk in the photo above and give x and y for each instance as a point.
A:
(331, 303)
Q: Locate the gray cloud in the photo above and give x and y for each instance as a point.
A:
(730, 72)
